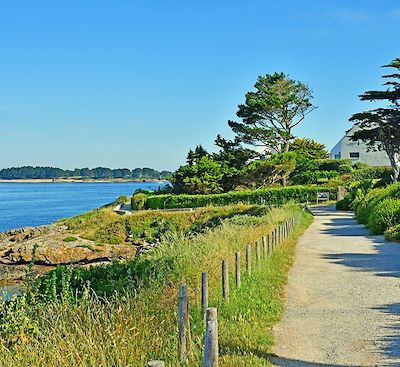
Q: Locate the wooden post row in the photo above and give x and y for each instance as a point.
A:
(264, 247)
(183, 322)
(257, 252)
(225, 280)
(204, 291)
(237, 267)
(210, 358)
(248, 259)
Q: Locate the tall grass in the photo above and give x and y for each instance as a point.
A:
(129, 328)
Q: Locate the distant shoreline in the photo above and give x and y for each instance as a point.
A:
(77, 180)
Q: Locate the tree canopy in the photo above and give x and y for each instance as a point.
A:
(380, 128)
(271, 112)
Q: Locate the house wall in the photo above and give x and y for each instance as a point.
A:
(347, 146)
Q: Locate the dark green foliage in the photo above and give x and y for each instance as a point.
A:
(194, 157)
(270, 113)
(138, 201)
(345, 203)
(339, 165)
(366, 172)
(29, 172)
(270, 196)
(380, 128)
(356, 195)
(202, 177)
(269, 171)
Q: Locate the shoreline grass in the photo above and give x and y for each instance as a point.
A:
(129, 328)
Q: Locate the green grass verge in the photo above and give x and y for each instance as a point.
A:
(133, 325)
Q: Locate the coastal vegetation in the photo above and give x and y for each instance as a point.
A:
(105, 226)
(125, 314)
(375, 206)
(29, 172)
(268, 196)
(380, 127)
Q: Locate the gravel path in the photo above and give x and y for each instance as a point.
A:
(343, 297)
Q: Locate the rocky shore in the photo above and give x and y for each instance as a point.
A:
(42, 248)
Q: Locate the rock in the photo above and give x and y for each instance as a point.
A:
(45, 247)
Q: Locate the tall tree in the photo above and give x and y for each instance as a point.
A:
(194, 156)
(271, 112)
(380, 128)
(233, 157)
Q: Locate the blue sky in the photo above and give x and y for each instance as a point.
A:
(138, 83)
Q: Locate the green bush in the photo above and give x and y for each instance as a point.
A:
(122, 199)
(270, 196)
(384, 215)
(345, 203)
(393, 233)
(373, 198)
(69, 239)
(383, 173)
(339, 165)
(138, 201)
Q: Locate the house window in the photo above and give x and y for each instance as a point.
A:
(337, 156)
(354, 155)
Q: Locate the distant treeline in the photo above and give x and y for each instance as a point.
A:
(29, 172)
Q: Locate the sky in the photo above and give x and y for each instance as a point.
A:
(126, 83)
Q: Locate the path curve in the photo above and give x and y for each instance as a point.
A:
(343, 297)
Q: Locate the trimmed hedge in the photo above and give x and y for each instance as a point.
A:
(385, 214)
(270, 196)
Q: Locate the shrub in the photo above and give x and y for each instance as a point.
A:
(270, 196)
(138, 201)
(393, 233)
(70, 239)
(384, 215)
(345, 203)
(383, 173)
(122, 199)
(339, 165)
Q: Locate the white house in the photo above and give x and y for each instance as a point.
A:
(357, 151)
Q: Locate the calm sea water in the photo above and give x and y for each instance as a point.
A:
(34, 204)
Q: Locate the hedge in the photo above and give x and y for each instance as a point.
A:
(270, 196)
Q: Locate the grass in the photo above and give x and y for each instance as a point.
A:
(130, 326)
(105, 226)
(70, 239)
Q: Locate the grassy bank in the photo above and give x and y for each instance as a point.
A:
(137, 323)
(105, 226)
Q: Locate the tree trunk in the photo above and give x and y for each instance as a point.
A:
(394, 162)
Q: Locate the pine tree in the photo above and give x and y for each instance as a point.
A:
(380, 127)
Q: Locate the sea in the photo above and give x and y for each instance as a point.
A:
(34, 204)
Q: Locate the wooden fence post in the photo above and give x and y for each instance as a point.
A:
(248, 259)
(269, 244)
(225, 280)
(237, 267)
(210, 358)
(204, 291)
(156, 363)
(183, 322)
(258, 252)
(264, 247)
